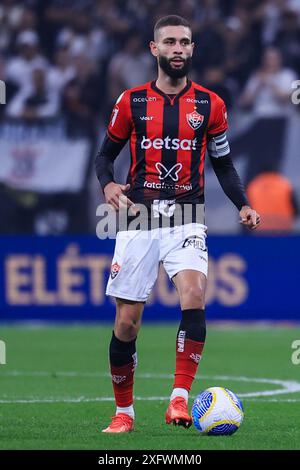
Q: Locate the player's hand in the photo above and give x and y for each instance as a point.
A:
(249, 217)
(115, 196)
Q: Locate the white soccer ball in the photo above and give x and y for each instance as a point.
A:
(217, 411)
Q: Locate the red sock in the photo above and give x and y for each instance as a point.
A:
(122, 380)
(123, 361)
(188, 355)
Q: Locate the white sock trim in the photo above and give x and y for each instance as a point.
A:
(180, 392)
(127, 410)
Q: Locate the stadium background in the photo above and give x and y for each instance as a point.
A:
(64, 64)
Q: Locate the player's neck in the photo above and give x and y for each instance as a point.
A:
(169, 85)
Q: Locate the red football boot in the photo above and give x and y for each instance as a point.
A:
(120, 423)
(178, 414)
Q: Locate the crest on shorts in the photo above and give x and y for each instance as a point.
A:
(115, 268)
(195, 120)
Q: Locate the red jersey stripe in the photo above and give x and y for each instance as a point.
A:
(133, 166)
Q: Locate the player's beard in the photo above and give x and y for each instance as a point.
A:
(171, 71)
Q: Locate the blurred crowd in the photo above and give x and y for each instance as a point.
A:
(72, 58)
(77, 56)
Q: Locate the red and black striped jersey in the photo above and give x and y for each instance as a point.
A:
(168, 139)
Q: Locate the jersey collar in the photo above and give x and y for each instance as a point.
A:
(182, 92)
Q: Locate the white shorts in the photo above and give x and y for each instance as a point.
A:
(137, 255)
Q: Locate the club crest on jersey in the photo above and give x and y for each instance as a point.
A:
(195, 120)
(115, 268)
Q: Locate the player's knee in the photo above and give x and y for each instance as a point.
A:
(193, 296)
(127, 328)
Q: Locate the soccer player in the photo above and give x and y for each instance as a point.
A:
(170, 123)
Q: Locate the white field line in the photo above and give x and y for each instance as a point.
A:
(287, 386)
(111, 399)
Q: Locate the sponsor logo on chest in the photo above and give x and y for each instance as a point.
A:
(192, 100)
(168, 143)
(146, 118)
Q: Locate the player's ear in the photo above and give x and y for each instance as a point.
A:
(153, 48)
(192, 46)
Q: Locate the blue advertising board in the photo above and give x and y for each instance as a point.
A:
(64, 279)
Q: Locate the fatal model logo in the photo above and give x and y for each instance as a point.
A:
(195, 120)
(164, 172)
(117, 379)
(195, 357)
(195, 242)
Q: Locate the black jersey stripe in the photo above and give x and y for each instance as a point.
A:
(138, 104)
(168, 154)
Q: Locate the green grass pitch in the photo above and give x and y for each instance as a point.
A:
(55, 392)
